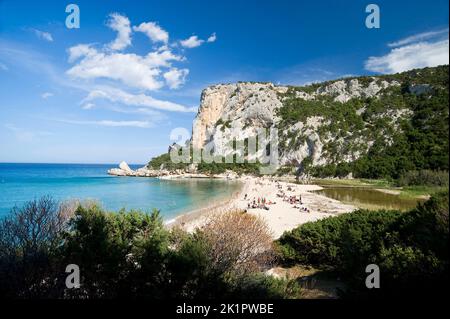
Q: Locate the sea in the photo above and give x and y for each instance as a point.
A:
(20, 183)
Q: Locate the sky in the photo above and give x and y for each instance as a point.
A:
(114, 88)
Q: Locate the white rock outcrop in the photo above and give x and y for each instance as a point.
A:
(236, 111)
(124, 166)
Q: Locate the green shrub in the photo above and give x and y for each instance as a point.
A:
(410, 248)
(124, 254)
(417, 142)
(261, 286)
(423, 177)
(331, 243)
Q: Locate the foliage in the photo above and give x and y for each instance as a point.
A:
(424, 177)
(29, 239)
(410, 248)
(238, 243)
(219, 168)
(132, 255)
(164, 161)
(389, 144)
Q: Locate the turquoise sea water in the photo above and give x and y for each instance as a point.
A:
(23, 182)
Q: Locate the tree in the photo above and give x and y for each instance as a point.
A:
(29, 238)
(238, 243)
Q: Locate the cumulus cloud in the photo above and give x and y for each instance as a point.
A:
(136, 71)
(106, 68)
(162, 58)
(81, 50)
(130, 69)
(141, 72)
(212, 38)
(121, 24)
(412, 52)
(43, 35)
(153, 31)
(192, 42)
(175, 77)
(140, 100)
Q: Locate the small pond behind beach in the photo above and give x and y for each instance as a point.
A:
(368, 198)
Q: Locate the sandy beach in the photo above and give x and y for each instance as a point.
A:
(286, 206)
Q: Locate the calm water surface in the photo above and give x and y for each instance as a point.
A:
(22, 182)
(368, 198)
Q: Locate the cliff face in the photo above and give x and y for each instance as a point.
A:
(331, 122)
(248, 105)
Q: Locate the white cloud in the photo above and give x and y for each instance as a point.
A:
(419, 37)
(151, 71)
(139, 100)
(131, 69)
(46, 95)
(43, 35)
(121, 24)
(138, 124)
(212, 38)
(141, 72)
(81, 50)
(162, 58)
(175, 77)
(153, 31)
(192, 42)
(412, 52)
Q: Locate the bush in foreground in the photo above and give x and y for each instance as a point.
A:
(132, 255)
(410, 248)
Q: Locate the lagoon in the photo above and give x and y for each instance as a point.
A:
(368, 198)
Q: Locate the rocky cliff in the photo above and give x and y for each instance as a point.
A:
(248, 106)
(331, 122)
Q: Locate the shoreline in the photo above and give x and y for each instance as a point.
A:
(195, 216)
(286, 204)
(281, 215)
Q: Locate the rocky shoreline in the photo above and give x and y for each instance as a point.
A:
(281, 216)
(125, 170)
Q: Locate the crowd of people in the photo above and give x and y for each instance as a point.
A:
(260, 202)
(263, 203)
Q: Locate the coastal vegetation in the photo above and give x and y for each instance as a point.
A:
(164, 161)
(410, 248)
(406, 124)
(133, 255)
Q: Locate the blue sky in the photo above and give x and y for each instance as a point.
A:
(114, 89)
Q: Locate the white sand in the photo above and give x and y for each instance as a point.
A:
(281, 216)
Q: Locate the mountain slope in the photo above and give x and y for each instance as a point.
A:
(373, 127)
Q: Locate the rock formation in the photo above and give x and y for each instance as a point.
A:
(235, 111)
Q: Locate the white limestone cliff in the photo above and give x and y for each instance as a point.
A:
(236, 111)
